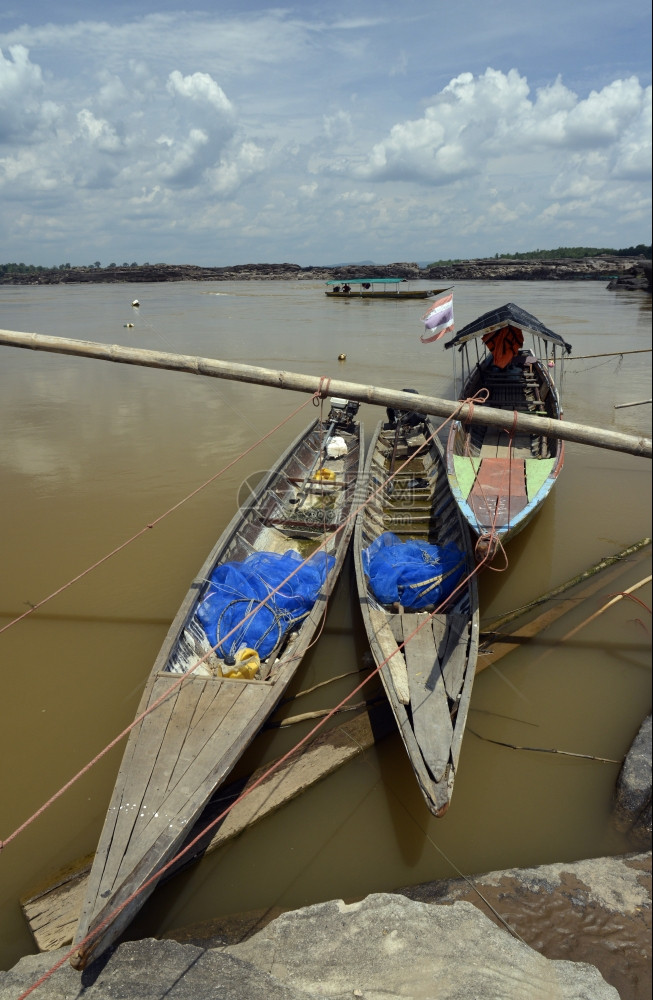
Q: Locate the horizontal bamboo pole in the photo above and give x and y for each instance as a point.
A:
(487, 416)
(639, 402)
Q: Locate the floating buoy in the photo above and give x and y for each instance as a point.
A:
(342, 357)
(136, 302)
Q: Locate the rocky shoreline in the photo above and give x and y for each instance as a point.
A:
(569, 931)
(578, 931)
(633, 273)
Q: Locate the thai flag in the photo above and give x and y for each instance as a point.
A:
(439, 319)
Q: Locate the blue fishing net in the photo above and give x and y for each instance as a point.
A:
(412, 573)
(236, 588)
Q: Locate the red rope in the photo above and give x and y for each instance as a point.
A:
(263, 777)
(274, 766)
(322, 390)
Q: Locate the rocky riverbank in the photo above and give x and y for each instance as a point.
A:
(569, 931)
(628, 272)
(557, 932)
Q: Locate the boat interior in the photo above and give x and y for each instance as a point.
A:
(297, 510)
(525, 387)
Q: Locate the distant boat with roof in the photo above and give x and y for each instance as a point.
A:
(377, 288)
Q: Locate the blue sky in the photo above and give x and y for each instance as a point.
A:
(315, 133)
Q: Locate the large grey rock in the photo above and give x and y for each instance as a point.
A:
(147, 970)
(632, 809)
(387, 947)
(596, 911)
(383, 948)
(577, 932)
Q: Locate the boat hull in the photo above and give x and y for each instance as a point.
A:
(426, 658)
(500, 477)
(390, 294)
(194, 723)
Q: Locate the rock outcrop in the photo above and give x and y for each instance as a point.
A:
(569, 932)
(627, 272)
(636, 278)
(632, 809)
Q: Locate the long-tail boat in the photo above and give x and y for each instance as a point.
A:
(234, 646)
(500, 478)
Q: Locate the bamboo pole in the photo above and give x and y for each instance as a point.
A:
(608, 604)
(502, 643)
(497, 623)
(296, 382)
(639, 402)
(564, 753)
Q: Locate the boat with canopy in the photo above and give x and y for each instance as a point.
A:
(376, 288)
(501, 478)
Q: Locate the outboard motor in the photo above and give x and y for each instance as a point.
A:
(406, 417)
(343, 412)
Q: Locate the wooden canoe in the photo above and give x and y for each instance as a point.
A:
(179, 753)
(429, 680)
(500, 479)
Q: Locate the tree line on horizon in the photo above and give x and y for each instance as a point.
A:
(39, 268)
(641, 250)
(564, 253)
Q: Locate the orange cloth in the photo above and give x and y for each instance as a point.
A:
(504, 344)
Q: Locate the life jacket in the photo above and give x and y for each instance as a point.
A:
(504, 344)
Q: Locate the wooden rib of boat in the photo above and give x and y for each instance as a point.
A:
(377, 288)
(429, 680)
(500, 479)
(179, 754)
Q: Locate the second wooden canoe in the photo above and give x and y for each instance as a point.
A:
(418, 596)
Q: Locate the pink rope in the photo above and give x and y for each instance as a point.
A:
(263, 777)
(153, 524)
(277, 764)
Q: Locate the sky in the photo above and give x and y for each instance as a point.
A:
(321, 133)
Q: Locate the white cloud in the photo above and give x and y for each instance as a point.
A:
(24, 112)
(305, 130)
(235, 168)
(97, 132)
(199, 87)
(476, 122)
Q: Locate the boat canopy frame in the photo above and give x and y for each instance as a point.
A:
(365, 281)
(508, 314)
(548, 346)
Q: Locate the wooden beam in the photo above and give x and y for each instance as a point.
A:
(295, 382)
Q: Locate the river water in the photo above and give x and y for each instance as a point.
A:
(92, 452)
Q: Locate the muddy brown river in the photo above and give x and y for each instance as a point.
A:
(91, 452)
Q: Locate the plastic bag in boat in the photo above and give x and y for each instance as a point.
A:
(237, 588)
(413, 573)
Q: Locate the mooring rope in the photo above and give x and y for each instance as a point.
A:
(102, 753)
(271, 770)
(152, 524)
